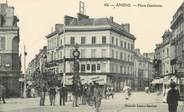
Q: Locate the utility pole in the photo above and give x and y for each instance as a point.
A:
(24, 90)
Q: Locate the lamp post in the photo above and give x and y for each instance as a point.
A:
(24, 90)
(76, 55)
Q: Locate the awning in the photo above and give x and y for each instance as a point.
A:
(157, 81)
(168, 79)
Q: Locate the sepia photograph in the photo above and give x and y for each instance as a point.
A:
(91, 55)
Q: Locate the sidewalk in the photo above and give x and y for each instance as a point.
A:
(112, 105)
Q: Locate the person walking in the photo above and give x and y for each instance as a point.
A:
(91, 94)
(97, 97)
(52, 95)
(43, 90)
(84, 94)
(62, 93)
(75, 95)
(2, 93)
(173, 97)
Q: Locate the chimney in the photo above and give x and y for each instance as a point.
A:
(68, 20)
(126, 26)
(111, 19)
(82, 16)
(59, 27)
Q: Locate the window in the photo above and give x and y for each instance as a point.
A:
(104, 53)
(0, 60)
(112, 40)
(116, 54)
(125, 71)
(61, 42)
(112, 53)
(83, 68)
(112, 67)
(125, 45)
(116, 68)
(72, 40)
(121, 43)
(104, 40)
(83, 53)
(93, 40)
(88, 67)
(163, 53)
(93, 53)
(121, 69)
(98, 66)
(103, 67)
(167, 52)
(132, 46)
(71, 68)
(2, 42)
(93, 67)
(83, 40)
(128, 57)
(52, 53)
(121, 55)
(128, 45)
(116, 42)
(125, 57)
(71, 53)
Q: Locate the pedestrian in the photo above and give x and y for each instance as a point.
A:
(75, 95)
(2, 93)
(33, 92)
(112, 92)
(62, 93)
(97, 97)
(173, 97)
(84, 94)
(43, 90)
(52, 95)
(91, 94)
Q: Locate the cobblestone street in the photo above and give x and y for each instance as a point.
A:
(118, 104)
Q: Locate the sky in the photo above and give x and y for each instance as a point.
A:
(37, 17)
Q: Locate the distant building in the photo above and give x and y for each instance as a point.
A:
(162, 61)
(10, 64)
(106, 50)
(36, 68)
(143, 69)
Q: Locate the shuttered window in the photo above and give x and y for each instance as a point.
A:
(2, 42)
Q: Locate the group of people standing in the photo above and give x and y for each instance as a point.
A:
(51, 88)
(87, 94)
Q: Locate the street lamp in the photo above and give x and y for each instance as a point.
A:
(76, 55)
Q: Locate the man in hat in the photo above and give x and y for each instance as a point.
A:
(173, 97)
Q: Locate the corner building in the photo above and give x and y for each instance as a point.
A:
(9, 50)
(106, 50)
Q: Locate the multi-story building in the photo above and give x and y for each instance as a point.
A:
(162, 61)
(106, 50)
(177, 26)
(36, 68)
(9, 50)
(143, 69)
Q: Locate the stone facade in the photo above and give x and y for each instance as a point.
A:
(106, 50)
(9, 50)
